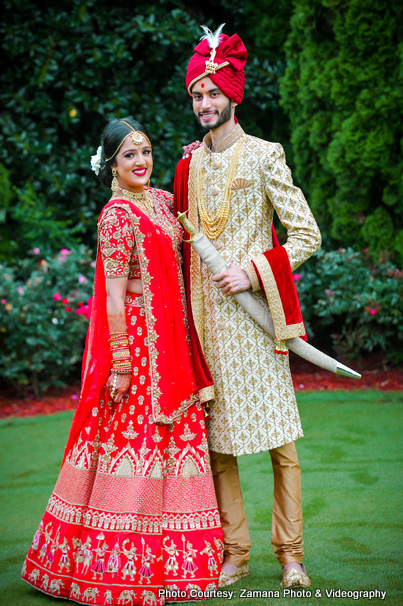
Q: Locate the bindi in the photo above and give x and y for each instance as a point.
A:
(202, 85)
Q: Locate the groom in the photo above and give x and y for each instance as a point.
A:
(231, 187)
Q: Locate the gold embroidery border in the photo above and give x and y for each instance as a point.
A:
(150, 320)
(254, 280)
(206, 73)
(282, 331)
(227, 141)
(206, 394)
(196, 291)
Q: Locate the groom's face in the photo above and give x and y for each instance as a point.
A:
(211, 107)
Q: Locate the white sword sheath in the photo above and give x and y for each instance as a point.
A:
(216, 264)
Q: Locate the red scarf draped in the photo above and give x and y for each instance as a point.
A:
(174, 384)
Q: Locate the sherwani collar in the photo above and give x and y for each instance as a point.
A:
(226, 142)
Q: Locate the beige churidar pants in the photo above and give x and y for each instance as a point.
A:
(286, 530)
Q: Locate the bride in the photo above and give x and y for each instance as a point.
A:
(134, 511)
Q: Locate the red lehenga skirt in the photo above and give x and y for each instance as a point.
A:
(133, 517)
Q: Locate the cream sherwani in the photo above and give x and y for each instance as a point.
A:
(255, 407)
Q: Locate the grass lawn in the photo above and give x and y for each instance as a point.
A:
(351, 459)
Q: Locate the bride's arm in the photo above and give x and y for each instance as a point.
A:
(118, 384)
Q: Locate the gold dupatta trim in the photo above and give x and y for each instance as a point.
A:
(282, 331)
(146, 278)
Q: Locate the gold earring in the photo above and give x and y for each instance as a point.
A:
(148, 183)
(114, 184)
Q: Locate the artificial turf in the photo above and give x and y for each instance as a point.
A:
(351, 459)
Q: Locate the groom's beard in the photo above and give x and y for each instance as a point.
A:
(222, 118)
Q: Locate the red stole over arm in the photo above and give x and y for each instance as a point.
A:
(175, 384)
(275, 277)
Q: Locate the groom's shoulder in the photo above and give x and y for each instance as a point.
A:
(270, 150)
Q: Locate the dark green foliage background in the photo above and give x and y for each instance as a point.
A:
(99, 61)
(69, 67)
(342, 92)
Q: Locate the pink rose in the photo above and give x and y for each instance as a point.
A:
(65, 251)
(82, 309)
(82, 279)
(20, 290)
(372, 312)
(36, 251)
(57, 297)
(297, 277)
(65, 301)
(3, 301)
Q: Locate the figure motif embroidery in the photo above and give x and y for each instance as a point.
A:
(171, 565)
(99, 564)
(129, 568)
(147, 559)
(189, 555)
(212, 564)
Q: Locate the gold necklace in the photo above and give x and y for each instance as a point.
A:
(139, 199)
(214, 226)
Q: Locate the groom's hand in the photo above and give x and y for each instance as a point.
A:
(232, 280)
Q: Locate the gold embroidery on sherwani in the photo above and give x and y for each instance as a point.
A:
(195, 276)
(283, 331)
(255, 407)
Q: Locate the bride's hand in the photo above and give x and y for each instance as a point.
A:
(121, 389)
(189, 149)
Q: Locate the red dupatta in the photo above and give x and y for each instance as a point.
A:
(173, 384)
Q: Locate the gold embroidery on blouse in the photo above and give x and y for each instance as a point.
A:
(172, 228)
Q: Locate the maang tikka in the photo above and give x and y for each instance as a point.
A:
(115, 183)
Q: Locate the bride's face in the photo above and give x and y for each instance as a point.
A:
(134, 165)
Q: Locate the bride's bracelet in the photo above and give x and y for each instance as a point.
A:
(121, 358)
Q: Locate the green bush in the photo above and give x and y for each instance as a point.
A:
(342, 91)
(44, 312)
(351, 304)
(69, 68)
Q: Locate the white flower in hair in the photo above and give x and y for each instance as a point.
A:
(96, 160)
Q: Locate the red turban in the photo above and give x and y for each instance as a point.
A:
(224, 65)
